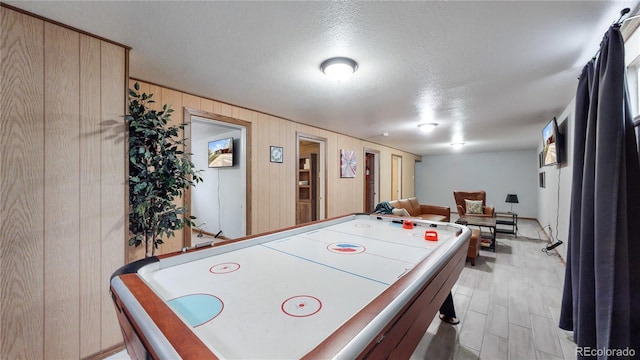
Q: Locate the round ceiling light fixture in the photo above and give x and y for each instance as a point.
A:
(427, 127)
(339, 69)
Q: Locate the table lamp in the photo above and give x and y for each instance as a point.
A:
(512, 199)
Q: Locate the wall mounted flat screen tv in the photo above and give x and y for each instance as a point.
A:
(221, 153)
(552, 145)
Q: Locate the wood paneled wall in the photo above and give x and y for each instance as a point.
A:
(62, 189)
(274, 184)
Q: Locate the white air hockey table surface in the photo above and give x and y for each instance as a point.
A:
(281, 295)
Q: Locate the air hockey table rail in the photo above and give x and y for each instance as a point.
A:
(355, 286)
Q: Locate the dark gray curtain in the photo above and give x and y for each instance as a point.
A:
(601, 300)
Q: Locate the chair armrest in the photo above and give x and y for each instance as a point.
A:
(489, 210)
(437, 210)
(461, 210)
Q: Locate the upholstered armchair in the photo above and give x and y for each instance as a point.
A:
(475, 204)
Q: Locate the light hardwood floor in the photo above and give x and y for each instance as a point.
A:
(508, 305)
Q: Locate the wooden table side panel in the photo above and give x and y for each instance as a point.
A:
(425, 314)
(135, 348)
(186, 343)
(403, 334)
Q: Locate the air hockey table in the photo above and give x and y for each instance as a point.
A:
(355, 286)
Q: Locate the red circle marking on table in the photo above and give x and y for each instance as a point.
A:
(224, 268)
(304, 303)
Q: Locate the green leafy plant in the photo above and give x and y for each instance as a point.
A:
(159, 172)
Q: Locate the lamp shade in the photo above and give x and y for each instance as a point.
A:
(512, 198)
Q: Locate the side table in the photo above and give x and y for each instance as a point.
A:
(482, 222)
(508, 221)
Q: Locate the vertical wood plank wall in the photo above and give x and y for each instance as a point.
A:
(274, 184)
(62, 189)
(22, 189)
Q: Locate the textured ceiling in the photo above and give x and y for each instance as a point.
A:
(491, 74)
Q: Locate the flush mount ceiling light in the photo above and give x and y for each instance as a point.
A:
(457, 145)
(427, 127)
(339, 69)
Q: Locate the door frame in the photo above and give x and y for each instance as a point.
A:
(322, 170)
(376, 177)
(245, 163)
(399, 172)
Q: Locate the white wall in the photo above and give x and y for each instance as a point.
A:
(554, 200)
(551, 203)
(219, 199)
(497, 173)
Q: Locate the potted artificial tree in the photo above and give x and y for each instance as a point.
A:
(159, 171)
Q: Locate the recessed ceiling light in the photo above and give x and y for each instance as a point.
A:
(339, 68)
(457, 145)
(427, 127)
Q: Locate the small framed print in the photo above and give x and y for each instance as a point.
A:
(276, 154)
(347, 164)
(540, 159)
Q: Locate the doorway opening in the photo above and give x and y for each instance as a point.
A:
(310, 184)
(396, 177)
(371, 179)
(220, 206)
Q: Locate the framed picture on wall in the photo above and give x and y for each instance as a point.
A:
(347, 163)
(276, 154)
(540, 159)
(541, 179)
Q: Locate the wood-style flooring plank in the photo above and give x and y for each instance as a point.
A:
(519, 311)
(498, 320)
(472, 331)
(544, 335)
(494, 348)
(521, 343)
